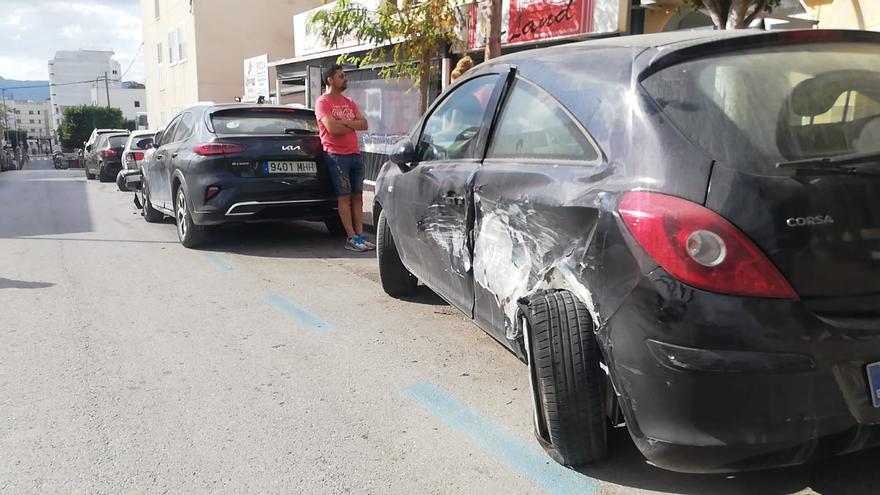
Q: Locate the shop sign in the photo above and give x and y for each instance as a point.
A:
(525, 21)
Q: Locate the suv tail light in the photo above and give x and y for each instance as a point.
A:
(136, 155)
(699, 247)
(209, 149)
(110, 153)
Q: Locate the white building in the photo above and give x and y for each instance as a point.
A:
(33, 117)
(73, 74)
(131, 101)
(193, 49)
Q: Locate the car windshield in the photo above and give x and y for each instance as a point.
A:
(262, 121)
(117, 141)
(754, 108)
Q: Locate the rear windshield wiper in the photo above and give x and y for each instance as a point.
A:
(838, 163)
(297, 130)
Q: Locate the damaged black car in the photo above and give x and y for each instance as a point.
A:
(678, 233)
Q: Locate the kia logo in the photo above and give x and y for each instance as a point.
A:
(290, 148)
(808, 221)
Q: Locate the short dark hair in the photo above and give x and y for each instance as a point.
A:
(331, 71)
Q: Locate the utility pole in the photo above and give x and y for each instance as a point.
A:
(5, 116)
(493, 44)
(107, 89)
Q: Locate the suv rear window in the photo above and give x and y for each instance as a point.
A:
(117, 141)
(262, 121)
(752, 109)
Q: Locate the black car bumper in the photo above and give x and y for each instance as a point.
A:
(253, 200)
(715, 383)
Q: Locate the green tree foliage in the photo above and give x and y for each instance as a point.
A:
(407, 36)
(130, 124)
(734, 14)
(79, 121)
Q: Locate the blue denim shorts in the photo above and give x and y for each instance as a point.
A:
(346, 173)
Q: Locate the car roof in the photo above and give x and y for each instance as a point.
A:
(104, 131)
(246, 106)
(649, 52)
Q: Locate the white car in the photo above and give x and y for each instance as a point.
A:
(138, 148)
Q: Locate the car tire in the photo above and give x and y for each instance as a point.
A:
(102, 176)
(567, 382)
(189, 234)
(396, 280)
(89, 175)
(334, 225)
(150, 214)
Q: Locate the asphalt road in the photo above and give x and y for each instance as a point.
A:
(270, 362)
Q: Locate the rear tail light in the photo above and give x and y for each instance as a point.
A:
(211, 192)
(110, 153)
(136, 155)
(209, 149)
(699, 247)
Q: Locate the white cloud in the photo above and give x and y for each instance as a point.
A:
(33, 30)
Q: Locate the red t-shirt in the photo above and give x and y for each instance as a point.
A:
(342, 108)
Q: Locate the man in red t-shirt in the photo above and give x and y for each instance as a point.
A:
(338, 119)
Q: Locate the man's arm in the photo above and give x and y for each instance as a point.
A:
(336, 127)
(358, 124)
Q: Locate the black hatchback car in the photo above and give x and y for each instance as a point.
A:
(677, 232)
(237, 163)
(104, 160)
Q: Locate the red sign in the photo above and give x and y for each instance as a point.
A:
(531, 20)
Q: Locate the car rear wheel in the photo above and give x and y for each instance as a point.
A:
(150, 214)
(89, 175)
(397, 281)
(567, 382)
(189, 234)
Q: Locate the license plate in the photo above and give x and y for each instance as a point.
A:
(874, 382)
(291, 167)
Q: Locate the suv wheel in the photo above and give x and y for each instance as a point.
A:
(397, 281)
(150, 214)
(89, 175)
(567, 383)
(189, 234)
(334, 225)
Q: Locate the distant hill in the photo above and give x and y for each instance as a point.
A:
(36, 94)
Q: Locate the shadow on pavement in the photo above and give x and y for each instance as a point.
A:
(295, 239)
(8, 283)
(426, 296)
(849, 474)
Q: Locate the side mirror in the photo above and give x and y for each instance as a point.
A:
(404, 152)
(144, 143)
(89, 147)
(157, 139)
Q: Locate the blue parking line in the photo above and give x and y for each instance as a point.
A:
(218, 262)
(526, 459)
(306, 319)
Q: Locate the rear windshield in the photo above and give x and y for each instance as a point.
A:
(117, 141)
(137, 139)
(262, 121)
(752, 109)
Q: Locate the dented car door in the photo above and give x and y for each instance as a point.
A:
(433, 200)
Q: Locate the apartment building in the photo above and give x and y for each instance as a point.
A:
(33, 117)
(131, 101)
(195, 48)
(71, 76)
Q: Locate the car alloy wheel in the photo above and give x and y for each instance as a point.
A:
(181, 215)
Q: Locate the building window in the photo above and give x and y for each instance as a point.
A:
(159, 52)
(38, 112)
(114, 73)
(30, 112)
(181, 43)
(137, 104)
(156, 7)
(32, 121)
(172, 46)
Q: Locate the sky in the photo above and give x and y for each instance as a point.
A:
(31, 31)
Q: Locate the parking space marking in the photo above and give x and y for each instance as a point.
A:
(532, 463)
(303, 316)
(218, 262)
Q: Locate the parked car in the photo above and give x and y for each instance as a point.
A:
(104, 160)
(59, 160)
(676, 231)
(237, 163)
(138, 143)
(91, 150)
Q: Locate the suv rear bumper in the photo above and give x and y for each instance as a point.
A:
(716, 383)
